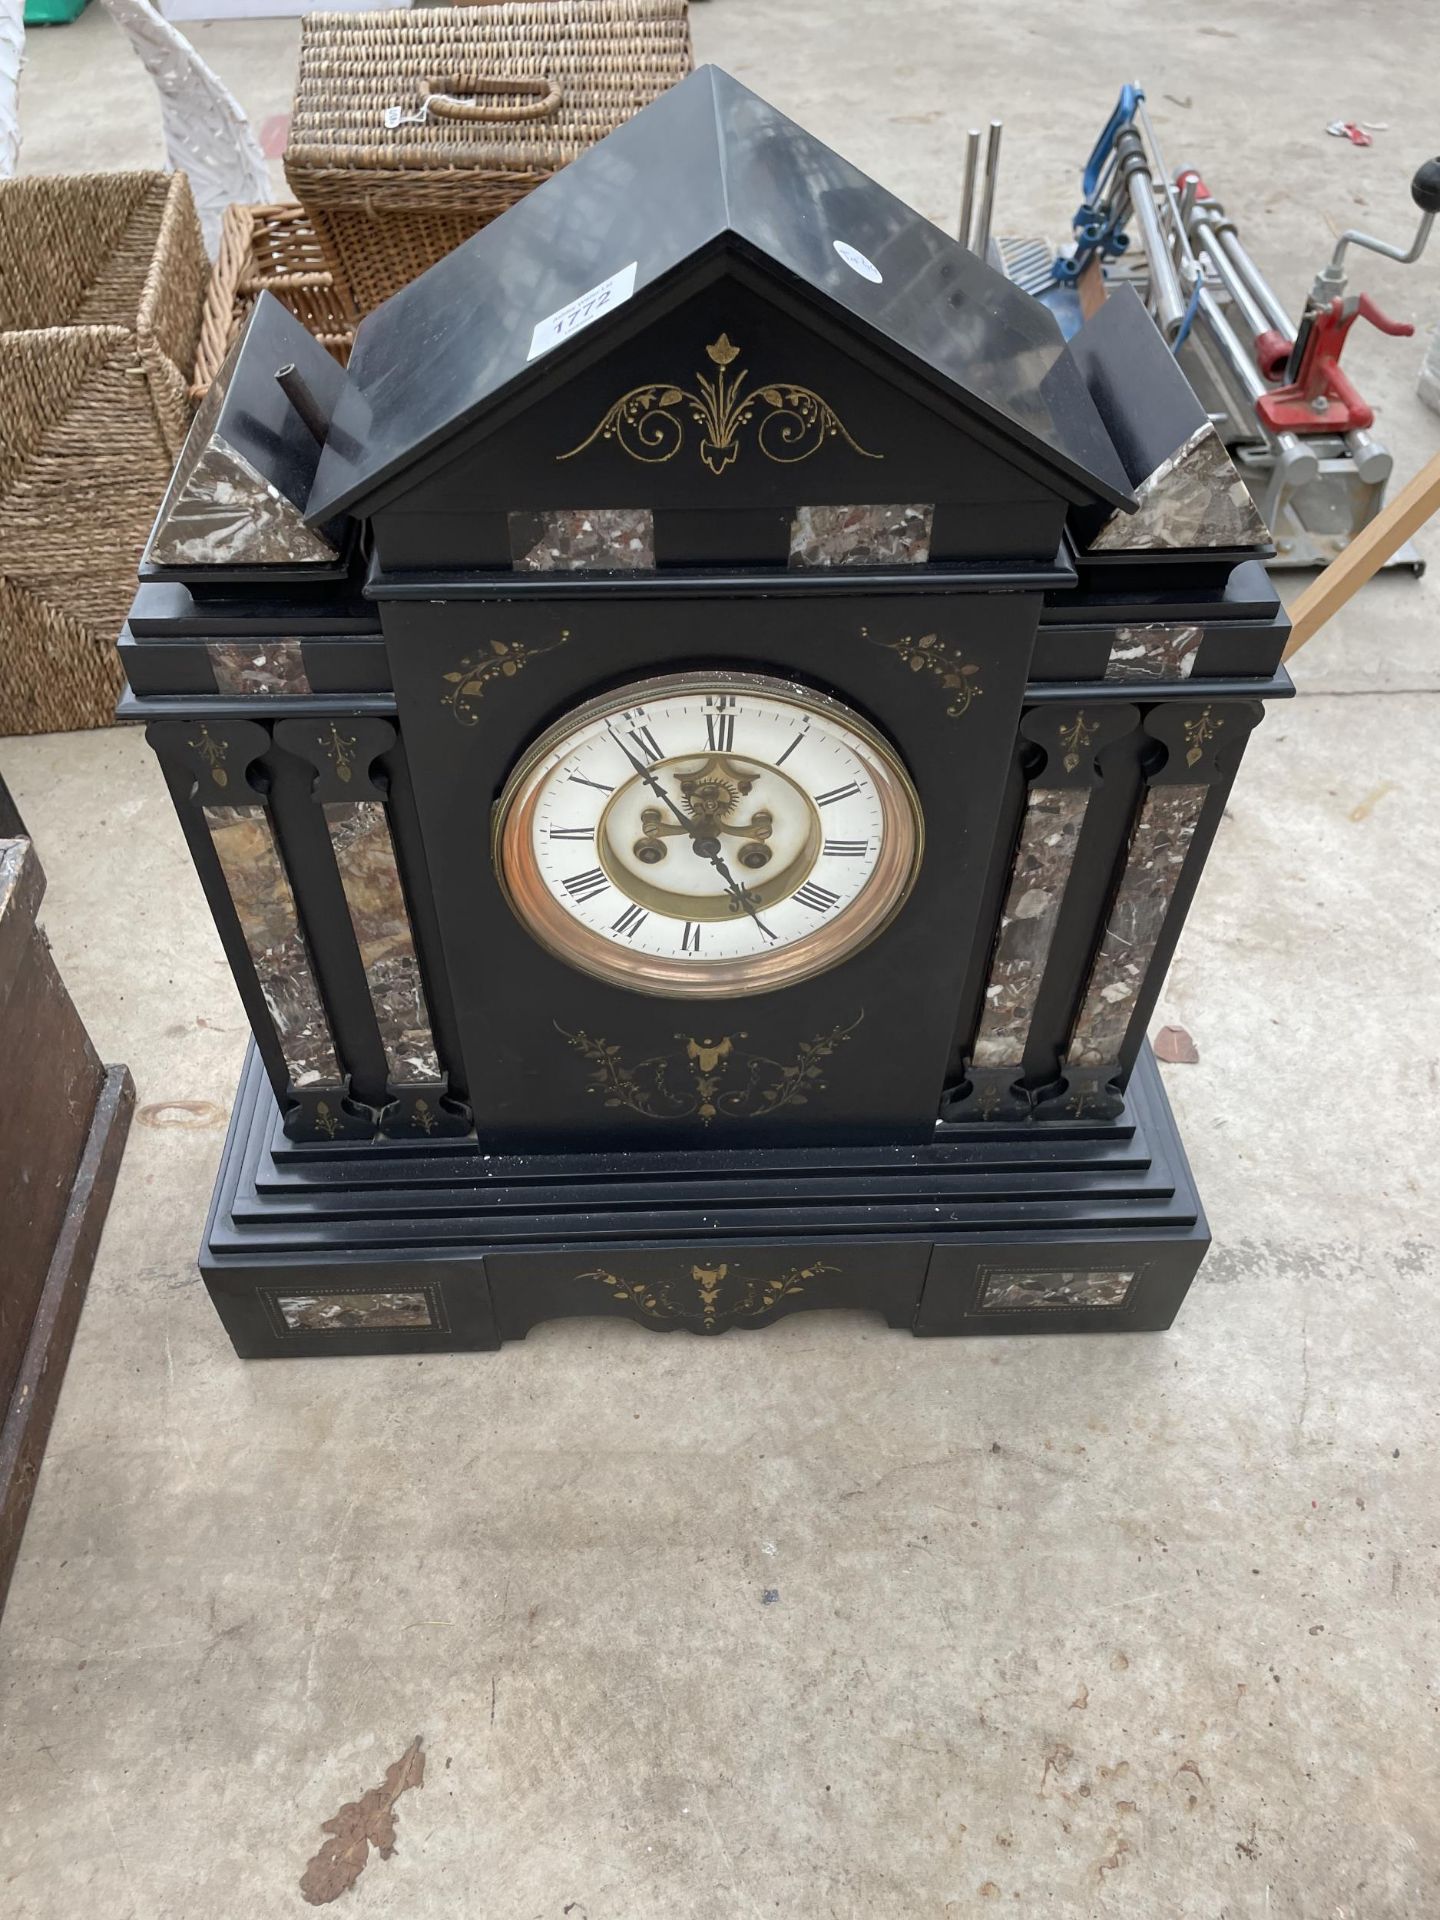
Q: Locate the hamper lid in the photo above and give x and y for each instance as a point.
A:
(529, 84)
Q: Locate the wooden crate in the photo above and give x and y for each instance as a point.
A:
(62, 1129)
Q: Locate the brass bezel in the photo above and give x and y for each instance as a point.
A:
(548, 922)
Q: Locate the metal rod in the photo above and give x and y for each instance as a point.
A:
(987, 200)
(967, 189)
(1161, 172)
(303, 401)
(1333, 279)
(1237, 361)
(1225, 233)
(1406, 256)
(1168, 302)
(1215, 256)
(1373, 463)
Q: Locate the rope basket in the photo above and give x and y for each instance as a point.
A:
(102, 277)
(484, 103)
(275, 250)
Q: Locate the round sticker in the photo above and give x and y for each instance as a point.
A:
(857, 261)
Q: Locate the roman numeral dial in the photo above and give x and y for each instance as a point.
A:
(708, 835)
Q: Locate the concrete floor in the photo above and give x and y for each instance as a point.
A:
(1129, 1626)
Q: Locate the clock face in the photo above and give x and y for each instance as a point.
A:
(708, 834)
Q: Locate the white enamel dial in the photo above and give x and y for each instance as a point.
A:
(708, 834)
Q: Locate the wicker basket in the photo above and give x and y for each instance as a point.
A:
(102, 277)
(270, 250)
(497, 98)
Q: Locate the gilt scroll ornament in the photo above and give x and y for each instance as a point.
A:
(711, 1297)
(791, 422)
(706, 1079)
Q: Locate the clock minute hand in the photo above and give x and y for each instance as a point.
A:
(737, 892)
(660, 793)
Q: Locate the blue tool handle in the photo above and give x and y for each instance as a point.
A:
(1130, 98)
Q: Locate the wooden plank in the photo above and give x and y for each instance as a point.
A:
(1091, 288)
(32, 1406)
(1396, 523)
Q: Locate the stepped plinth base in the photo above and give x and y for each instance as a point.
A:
(414, 1247)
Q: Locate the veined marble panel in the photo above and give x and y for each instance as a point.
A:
(340, 1312)
(219, 510)
(365, 855)
(12, 858)
(1195, 498)
(1009, 1291)
(258, 666)
(583, 539)
(1153, 652)
(1043, 859)
(249, 857)
(1158, 846)
(860, 536)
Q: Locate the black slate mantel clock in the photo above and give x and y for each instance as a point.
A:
(699, 744)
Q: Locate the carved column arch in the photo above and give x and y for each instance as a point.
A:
(1069, 740)
(220, 777)
(1170, 833)
(349, 789)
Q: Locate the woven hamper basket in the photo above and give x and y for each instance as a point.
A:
(270, 250)
(102, 277)
(494, 100)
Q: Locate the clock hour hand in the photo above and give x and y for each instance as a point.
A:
(704, 843)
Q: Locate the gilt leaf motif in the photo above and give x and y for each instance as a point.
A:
(478, 672)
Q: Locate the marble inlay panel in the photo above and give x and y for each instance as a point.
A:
(339, 1312)
(1009, 1291)
(365, 855)
(249, 857)
(224, 512)
(860, 536)
(1163, 832)
(580, 539)
(12, 859)
(1043, 859)
(1153, 652)
(258, 666)
(1195, 498)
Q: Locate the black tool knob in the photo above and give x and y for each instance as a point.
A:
(1425, 187)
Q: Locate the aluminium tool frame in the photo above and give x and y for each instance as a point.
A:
(1295, 425)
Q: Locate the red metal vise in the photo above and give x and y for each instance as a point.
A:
(1320, 398)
